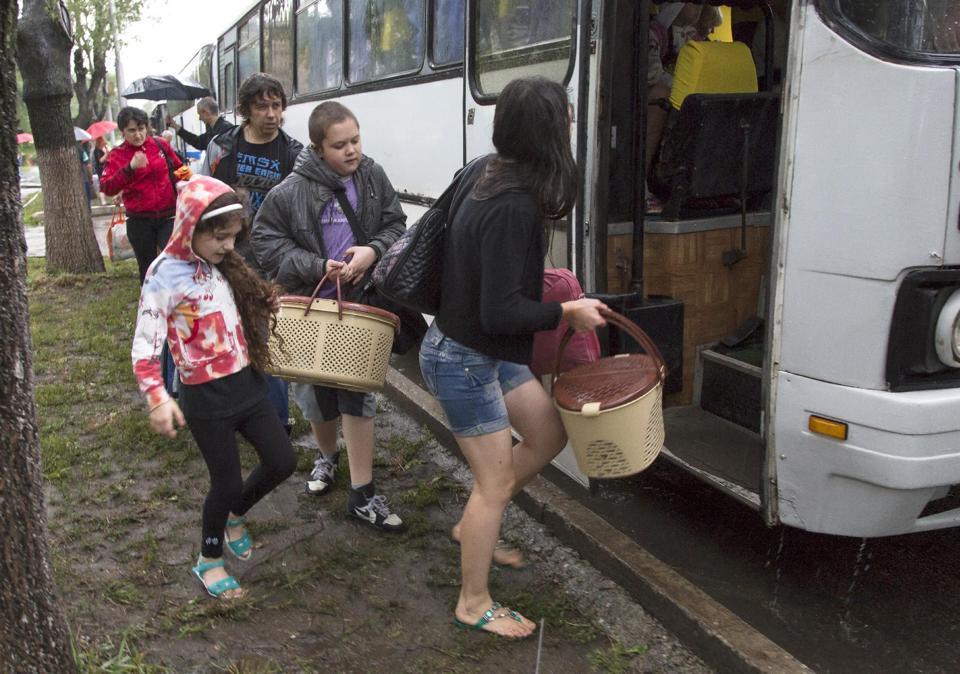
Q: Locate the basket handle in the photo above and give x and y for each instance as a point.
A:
(627, 326)
(316, 291)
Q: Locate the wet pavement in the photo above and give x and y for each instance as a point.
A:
(837, 604)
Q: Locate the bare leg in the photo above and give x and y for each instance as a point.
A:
(533, 415)
(491, 460)
(326, 434)
(358, 435)
(656, 121)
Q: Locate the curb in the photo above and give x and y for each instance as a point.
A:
(721, 638)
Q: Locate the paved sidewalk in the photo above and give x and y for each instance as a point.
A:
(37, 243)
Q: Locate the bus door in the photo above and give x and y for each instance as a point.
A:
(686, 226)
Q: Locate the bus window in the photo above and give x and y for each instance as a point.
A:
(386, 38)
(228, 87)
(278, 41)
(226, 56)
(319, 45)
(516, 38)
(904, 28)
(447, 47)
(248, 57)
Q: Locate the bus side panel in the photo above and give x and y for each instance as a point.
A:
(877, 481)
(869, 196)
(866, 195)
(414, 132)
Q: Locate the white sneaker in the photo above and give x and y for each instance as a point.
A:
(323, 475)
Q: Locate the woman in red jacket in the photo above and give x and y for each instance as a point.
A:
(141, 169)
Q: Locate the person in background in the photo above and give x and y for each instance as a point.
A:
(252, 158)
(209, 113)
(302, 234)
(138, 169)
(86, 168)
(100, 151)
(674, 24)
(215, 314)
(168, 136)
(475, 357)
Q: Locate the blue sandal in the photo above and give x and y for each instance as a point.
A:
(218, 588)
(242, 547)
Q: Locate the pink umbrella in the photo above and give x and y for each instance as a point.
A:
(24, 138)
(101, 128)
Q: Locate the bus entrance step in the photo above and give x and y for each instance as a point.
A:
(730, 387)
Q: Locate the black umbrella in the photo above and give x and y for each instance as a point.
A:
(165, 87)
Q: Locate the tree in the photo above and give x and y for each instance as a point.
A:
(93, 39)
(44, 43)
(33, 632)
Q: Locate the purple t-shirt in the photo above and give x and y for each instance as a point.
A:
(336, 231)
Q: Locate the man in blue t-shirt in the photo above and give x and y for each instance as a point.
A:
(252, 158)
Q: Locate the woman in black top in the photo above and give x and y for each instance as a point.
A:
(475, 357)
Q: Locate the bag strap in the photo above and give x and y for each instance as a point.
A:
(348, 211)
(173, 180)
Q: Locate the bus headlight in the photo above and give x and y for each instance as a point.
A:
(947, 333)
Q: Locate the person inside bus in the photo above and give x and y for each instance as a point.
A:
(252, 158)
(475, 357)
(304, 234)
(675, 24)
(209, 113)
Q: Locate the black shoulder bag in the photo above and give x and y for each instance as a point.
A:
(173, 179)
(412, 324)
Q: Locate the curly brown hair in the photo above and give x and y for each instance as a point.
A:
(251, 293)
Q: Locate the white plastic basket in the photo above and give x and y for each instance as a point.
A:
(332, 342)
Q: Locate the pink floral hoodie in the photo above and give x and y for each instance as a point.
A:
(188, 302)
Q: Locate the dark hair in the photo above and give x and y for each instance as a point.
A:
(259, 85)
(128, 114)
(250, 292)
(324, 116)
(209, 104)
(531, 131)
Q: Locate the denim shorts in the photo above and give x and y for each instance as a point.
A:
(469, 385)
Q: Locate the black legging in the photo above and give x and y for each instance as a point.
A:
(148, 236)
(228, 492)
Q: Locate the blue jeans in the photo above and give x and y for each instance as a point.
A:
(469, 385)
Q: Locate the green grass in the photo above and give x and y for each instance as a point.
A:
(105, 657)
(615, 659)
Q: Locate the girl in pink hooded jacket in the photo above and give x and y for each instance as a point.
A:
(215, 314)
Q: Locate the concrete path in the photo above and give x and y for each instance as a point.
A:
(37, 244)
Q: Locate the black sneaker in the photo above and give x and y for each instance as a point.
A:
(323, 475)
(374, 511)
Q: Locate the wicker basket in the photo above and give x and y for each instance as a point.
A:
(612, 409)
(332, 342)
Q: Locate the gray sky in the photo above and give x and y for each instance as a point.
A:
(170, 32)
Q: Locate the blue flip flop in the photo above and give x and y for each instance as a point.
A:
(218, 588)
(489, 616)
(242, 547)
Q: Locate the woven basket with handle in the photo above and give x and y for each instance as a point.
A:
(612, 408)
(332, 342)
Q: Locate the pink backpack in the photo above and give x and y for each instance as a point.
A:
(560, 285)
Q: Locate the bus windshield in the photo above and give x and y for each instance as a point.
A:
(918, 26)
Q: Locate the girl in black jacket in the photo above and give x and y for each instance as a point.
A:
(475, 357)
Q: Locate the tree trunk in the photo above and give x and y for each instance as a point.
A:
(44, 57)
(33, 632)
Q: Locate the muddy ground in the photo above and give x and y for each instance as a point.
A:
(325, 593)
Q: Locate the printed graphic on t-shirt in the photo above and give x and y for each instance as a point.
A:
(258, 170)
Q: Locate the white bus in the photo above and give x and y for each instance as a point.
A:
(804, 276)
